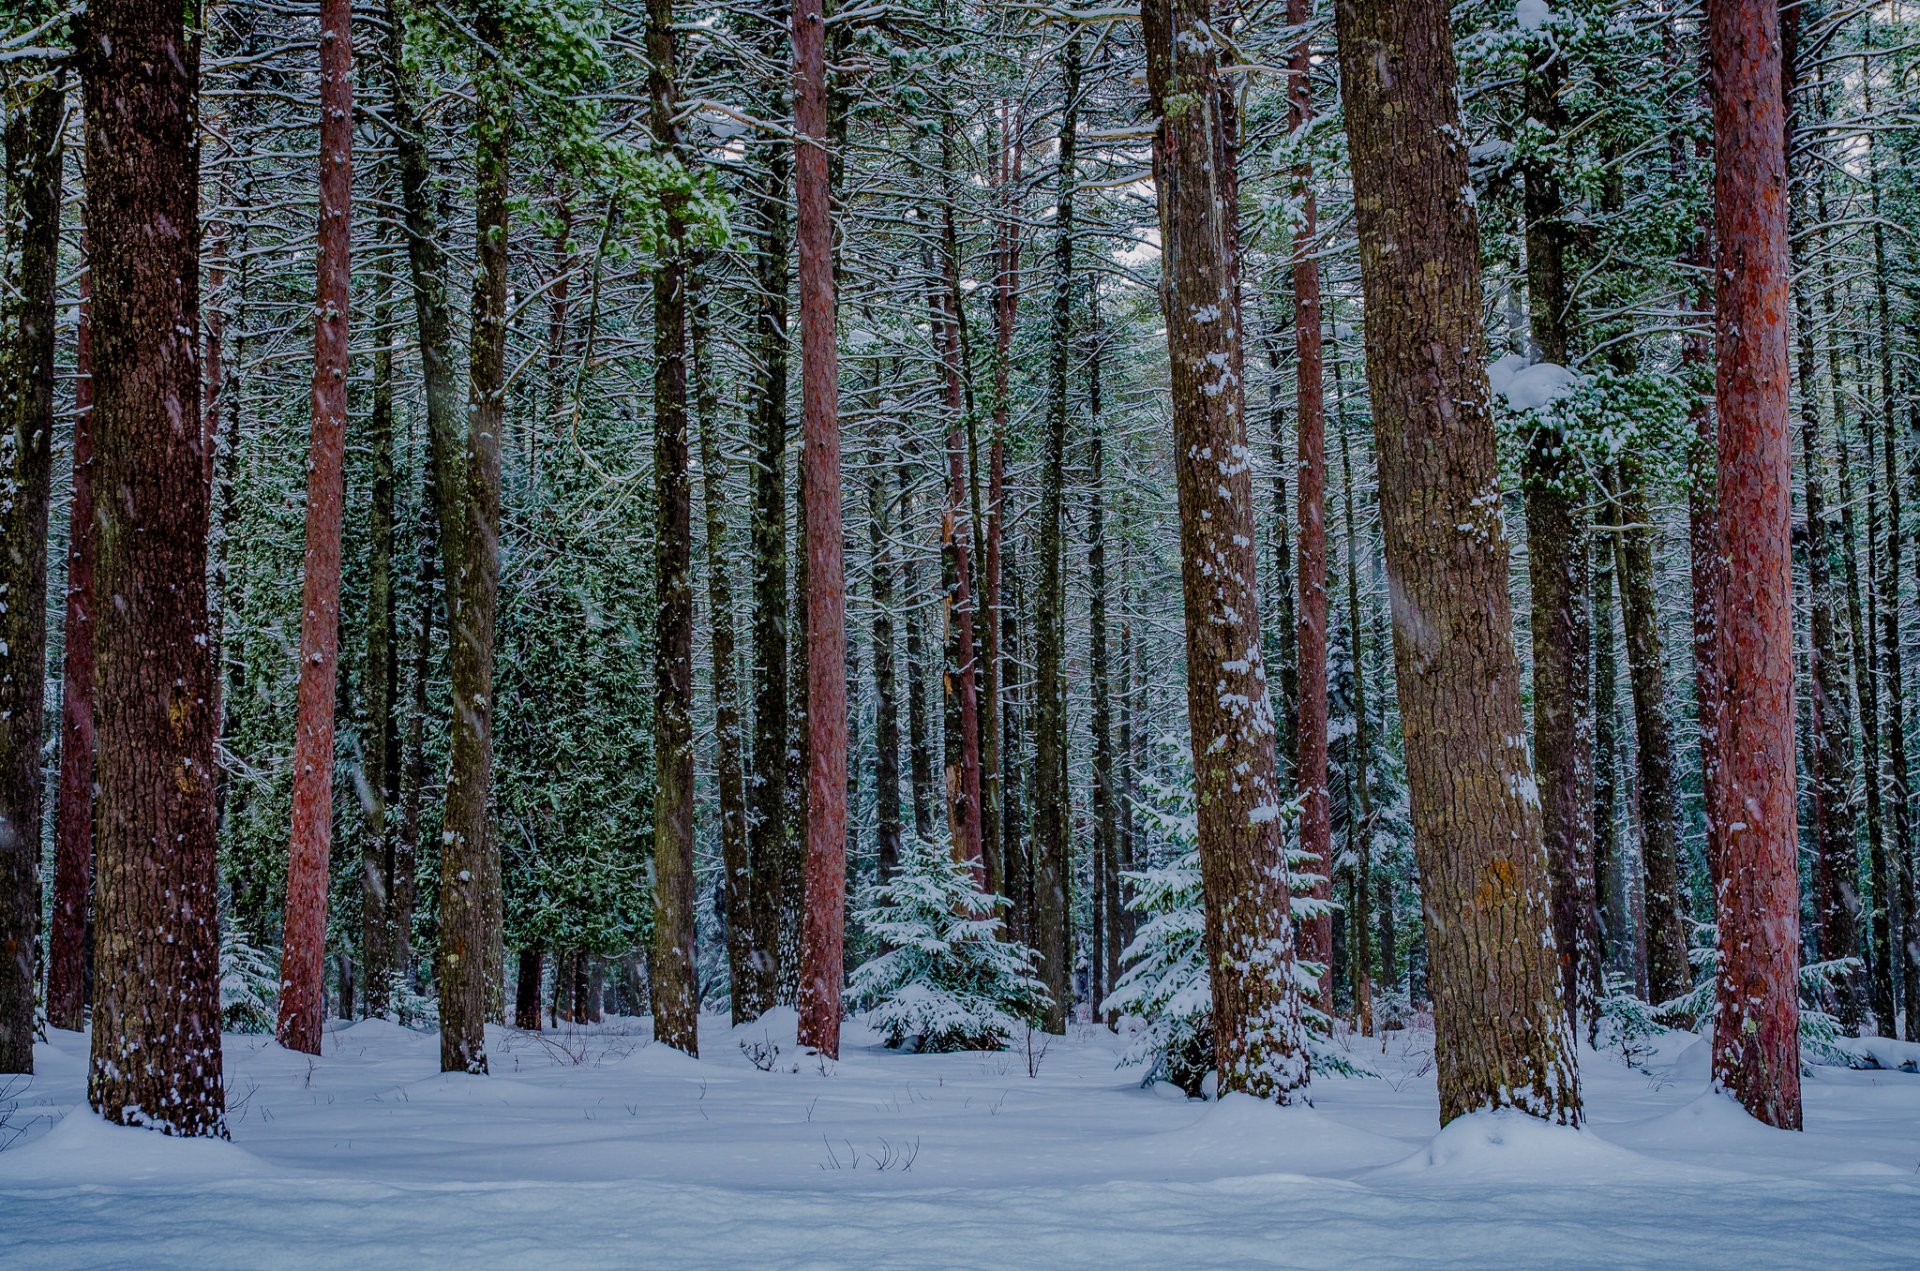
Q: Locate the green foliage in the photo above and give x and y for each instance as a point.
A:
(948, 980)
(249, 983)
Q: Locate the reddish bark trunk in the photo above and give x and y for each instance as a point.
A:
(963, 767)
(1316, 815)
(302, 957)
(824, 920)
(1756, 1051)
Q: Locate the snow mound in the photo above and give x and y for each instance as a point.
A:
(1509, 1144)
(378, 1032)
(1529, 385)
(1713, 1120)
(1880, 1052)
(87, 1149)
(1531, 15)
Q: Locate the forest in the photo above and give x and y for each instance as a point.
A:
(1313, 598)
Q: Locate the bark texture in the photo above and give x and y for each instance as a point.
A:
(1501, 1029)
(156, 1019)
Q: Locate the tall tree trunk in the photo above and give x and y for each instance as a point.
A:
(380, 747)
(1557, 564)
(919, 743)
(1285, 625)
(1664, 869)
(1756, 1049)
(886, 710)
(469, 864)
(1106, 830)
(729, 776)
(1505, 1039)
(69, 941)
(994, 742)
(1609, 868)
(676, 998)
(826, 886)
(1360, 814)
(29, 282)
(1310, 432)
(156, 1020)
(1013, 766)
(1052, 802)
(961, 672)
(1249, 934)
(767, 838)
(303, 950)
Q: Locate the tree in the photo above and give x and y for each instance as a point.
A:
(303, 948)
(29, 261)
(1756, 1051)
(1503, 1037)
(1249, 937)
(826, 865)
(676, 998)
(156, 1021)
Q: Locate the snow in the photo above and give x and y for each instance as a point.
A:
(594, 1148)
(1529, 385)
(1531, 15)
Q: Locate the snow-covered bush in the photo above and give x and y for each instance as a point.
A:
(948, 980)
(1166, 986)
(249, 983)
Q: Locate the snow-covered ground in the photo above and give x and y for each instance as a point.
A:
(592, 1148)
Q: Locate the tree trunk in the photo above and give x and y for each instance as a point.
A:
(70, 940)
(886, 710)
(998, 827)
(1360, 814)
(919, 744)
(526, 991)
(1013, 766)
(29, 283)
(825, 917)
(1310, 501)
(728, 751)
(767, 837)
(156, 1023)
(961, 672)
(676, 999)
(1503, 1032)
(380, 744)
(469, 865)
(1249, 931)
(1106, 831)
(1665, 903)
(1609, 869)
(1052, 803)
(1756, 1049)
(303, 951)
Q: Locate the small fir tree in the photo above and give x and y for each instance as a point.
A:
(948, 980)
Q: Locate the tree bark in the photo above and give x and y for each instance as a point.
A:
(1756, 1052)
(823, 934)
(156, 1023)
(469, 864)
(1310, 501)
(380, 747)
(886, 710)
(1611, 894)
(69, 943)
(1106, 830)
(676, 999)
(29, 282)
(1502, 1029)
(1249, 936)
(303, 949)
(1052, 804)
(961, 673)
(919, 744)
(526, 991)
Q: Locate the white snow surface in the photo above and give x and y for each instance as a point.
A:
(594, 1148)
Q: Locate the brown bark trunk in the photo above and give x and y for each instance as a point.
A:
(469, 864)
(29, 268)
(886, 709)
(1756, 1051)
(303, 949)
(68, 942)
(676, 999)
(919, 744)
(824, 922)
(1502, 1028)
(1106, 830)
(1310, 501)
(156, 1025)
(380, 743)
(960, 675)
(1249, 932)
(526, 991)
(1052, 800)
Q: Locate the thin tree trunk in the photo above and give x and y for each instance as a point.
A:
(826, 863)
(1013, 765)
(1504, 1038)
(1360, 815)
(767, 836)
(380, 745)
(29, 283)
(1310, 432)
(1106, 832)
(469, 866)
(1756, 1049)
(303, 951)
(886, 710)
(1249, 934)
(960, 675)
(526, 995)
(156, 1020)
(1665, 905)
(1609, 869)
(676, 999)
(1052, 808)
(919, 744)
(995, 739)
(69, 941)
